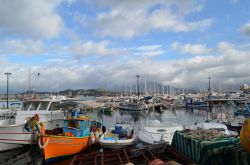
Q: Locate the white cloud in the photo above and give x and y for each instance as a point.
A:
(226, 64)
(30, 18)
(144, 16)
(190, 48)
(22, 47)
(149, 50)
(245, 29)
(90, 48)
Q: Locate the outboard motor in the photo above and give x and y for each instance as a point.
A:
(103, 129)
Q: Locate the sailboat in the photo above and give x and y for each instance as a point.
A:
(132, 103)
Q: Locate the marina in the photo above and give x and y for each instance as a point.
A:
(151, 130)
(109, 82)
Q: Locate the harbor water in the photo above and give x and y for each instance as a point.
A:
(33, 155)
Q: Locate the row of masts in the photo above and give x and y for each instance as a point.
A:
(156, 88)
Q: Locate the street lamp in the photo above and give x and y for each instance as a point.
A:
(138, 90)
(7, 74)
(209, 89)
(209, 95)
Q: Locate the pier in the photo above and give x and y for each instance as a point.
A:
(131, 156)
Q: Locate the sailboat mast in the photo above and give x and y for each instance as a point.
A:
(29, 82)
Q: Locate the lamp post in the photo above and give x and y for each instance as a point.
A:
(138, 90)
(209, 89)
(209, 94)
(7, 74)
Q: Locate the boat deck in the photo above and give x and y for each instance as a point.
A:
(135, 156)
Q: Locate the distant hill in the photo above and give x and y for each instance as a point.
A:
(88, 92)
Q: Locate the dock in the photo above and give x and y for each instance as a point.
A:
(130, 156)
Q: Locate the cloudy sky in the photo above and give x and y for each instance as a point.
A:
(89, 43)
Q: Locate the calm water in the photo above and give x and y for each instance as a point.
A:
(32, 155)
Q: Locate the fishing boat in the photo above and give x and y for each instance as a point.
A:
(106, 111)
(132, 104)
(197, 103)
(122, 136)
(159, 131)
(242, 110)
(71, 139)
(20, 132)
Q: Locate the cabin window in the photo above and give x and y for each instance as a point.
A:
(34, 106)
(73, 124)
(54, 106)
(43, 106)
(87, 125)
(25, 106)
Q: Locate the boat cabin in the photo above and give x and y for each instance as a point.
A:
(40, 105)
(77, 127)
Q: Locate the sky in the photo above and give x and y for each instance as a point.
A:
(82, 44)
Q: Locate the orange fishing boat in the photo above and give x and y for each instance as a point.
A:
(66, 141)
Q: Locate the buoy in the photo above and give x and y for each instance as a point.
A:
(245, 135)
(156, 162)
(92, 137)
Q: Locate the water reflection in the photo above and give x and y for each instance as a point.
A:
(135, 115)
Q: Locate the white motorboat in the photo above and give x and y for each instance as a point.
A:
(159, 131)
(19, 133)
(7, 117)
(123, 135)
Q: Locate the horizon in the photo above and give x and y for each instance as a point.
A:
(81, 44)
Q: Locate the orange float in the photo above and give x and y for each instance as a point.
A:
(245, 135)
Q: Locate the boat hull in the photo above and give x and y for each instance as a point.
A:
(110, 140)
(131, 107)
(13, 136)
(8, 146)
(56, 147)
(150, 135)
(116, 143)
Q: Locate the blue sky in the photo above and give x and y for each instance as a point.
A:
(89, 43)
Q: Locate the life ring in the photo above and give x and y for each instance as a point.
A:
(45, 144)
(26, 125)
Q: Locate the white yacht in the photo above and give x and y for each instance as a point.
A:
(18, 133)
(157, 131)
